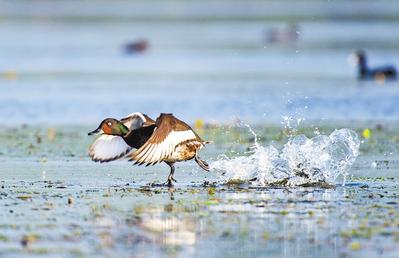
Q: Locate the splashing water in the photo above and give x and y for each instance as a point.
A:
(302, 161)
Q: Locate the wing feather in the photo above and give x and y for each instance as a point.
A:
(146, 152)
(155, 152)
(150, 154)
(136, 120)
(169, 133)
(107, 148)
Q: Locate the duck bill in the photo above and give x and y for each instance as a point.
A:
(97, 131)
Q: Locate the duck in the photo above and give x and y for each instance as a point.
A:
(381, 73)
(147, 142)
(284, 35)
(138, 46)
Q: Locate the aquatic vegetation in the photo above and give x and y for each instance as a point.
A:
(89, 209)
(228, 139)
(121, 218)
(366, 133)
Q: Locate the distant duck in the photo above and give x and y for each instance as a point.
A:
(138, 46)
(286, 35)
(381, 73)
(167, 139)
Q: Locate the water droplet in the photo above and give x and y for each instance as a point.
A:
(318, 160)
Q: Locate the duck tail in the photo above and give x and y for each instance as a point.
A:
(206, 142)
(202, 163)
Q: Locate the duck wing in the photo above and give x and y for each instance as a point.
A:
(111, 147)
(168, 133)
(108, 148)
(137, 120)
(138, 137)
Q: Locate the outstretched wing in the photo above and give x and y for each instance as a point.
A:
(107, 148)
(137, 120)
(168, 133)
(111, 147)
(138, 137)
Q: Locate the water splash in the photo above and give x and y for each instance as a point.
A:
(302, 161)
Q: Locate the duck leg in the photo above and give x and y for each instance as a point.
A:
(201, 163)
(170, 177)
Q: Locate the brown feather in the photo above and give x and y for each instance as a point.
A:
(148, 121)
(165, 124)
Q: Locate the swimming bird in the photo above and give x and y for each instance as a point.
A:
(167, 139)
(286, 35)
(138, 46)
(380, 73)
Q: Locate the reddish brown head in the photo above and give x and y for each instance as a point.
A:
(111, 126)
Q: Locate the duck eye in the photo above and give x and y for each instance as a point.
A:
(109, 124)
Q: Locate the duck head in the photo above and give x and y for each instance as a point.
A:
(111, 126)
(360, 56)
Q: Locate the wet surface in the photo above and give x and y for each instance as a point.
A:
(67, 218)
(58, 202)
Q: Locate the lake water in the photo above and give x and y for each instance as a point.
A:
(56, 202)
(65, 63)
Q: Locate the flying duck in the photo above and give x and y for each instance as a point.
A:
(167, 139)
(381, 73)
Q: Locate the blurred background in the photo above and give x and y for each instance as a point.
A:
(76, 62)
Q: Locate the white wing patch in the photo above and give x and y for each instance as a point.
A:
(134, 120)
(137, 114)
(152, 153)
(107, 148)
